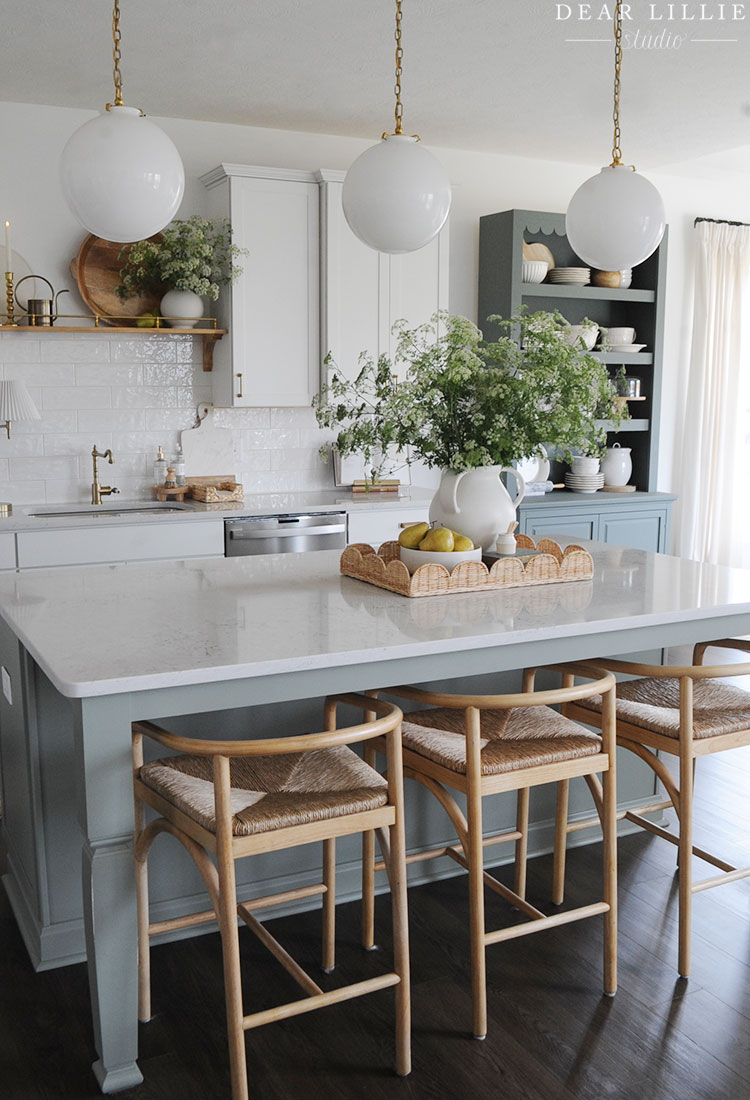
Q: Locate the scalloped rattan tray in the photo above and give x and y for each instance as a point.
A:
(550, 565)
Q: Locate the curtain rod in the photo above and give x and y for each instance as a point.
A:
(718, 221)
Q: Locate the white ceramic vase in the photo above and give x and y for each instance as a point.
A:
(617, 466)
(181, 308)
(476, 503)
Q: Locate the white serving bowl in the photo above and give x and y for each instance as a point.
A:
(533, 271)
(412, 559)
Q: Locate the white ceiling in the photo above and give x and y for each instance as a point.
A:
(494, 75)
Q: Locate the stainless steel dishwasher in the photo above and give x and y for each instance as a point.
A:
(284, 534)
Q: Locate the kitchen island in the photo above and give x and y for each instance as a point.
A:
(95, 649)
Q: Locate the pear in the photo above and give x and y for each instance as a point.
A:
(412, 536)
(438, 539)
(462, 542)
(146, 320)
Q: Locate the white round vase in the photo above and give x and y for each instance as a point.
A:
(476, 503)
(617, 466)
(181, 308)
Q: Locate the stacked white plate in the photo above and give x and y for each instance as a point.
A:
(584, 483)
(570, 276)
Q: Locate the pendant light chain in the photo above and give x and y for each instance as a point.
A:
(399, 58)
(616, 150)
(116, 55)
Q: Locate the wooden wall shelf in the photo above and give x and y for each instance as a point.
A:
(209, 335)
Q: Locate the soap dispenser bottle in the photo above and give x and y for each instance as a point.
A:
(179, 466)
(160, 467)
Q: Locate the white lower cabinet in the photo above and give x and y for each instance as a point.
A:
(383, 524)
(130, 542)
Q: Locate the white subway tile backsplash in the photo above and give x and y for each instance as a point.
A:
(109, 374)
(76, 397)
(104, 420)
(133, 394)
(144, 349)
(43, 374)
(66, 349)
(16, 347)
(75, 443)
(143, 397)
(41, 469)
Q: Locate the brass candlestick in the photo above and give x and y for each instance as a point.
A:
(9, 300)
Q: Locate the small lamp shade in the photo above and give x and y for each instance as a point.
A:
(16, 403)
(616, 219)
(122, 176)
(396, 195)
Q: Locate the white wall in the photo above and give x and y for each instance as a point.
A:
(277, 448)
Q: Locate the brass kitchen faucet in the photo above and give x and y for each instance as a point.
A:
(98, 491)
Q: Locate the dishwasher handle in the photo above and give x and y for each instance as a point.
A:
(288, 533)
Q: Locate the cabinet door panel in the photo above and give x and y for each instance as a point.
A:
(275, 300)
(583, 527)
(418, 286)
(642, 531)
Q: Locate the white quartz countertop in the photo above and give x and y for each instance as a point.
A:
(118, 628)
(116, 511)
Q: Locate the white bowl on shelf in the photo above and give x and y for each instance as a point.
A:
(582, 336)
(412, 559)
(533, 271)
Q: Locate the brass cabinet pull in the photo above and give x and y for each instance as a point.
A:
(239, 391)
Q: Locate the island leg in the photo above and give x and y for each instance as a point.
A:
(105, 813)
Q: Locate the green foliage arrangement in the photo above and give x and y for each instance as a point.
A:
(465, 402)
(193, 254)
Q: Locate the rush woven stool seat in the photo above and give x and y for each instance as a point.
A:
(227, 800)
(686, 712)
(483, 745)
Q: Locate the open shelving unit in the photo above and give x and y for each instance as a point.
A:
(208, 335)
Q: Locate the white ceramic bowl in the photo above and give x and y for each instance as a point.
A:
(533, 271)
(412, 559)
(584, 464)
(620, 335)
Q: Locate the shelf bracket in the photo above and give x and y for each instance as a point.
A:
(209, 340)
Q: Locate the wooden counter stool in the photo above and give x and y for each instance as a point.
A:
(482, 745)
(686, 712)
(231, 799)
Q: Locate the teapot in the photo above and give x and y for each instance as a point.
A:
(40, 311)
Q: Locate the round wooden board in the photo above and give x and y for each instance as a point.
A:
(538, 251)
(96, 270)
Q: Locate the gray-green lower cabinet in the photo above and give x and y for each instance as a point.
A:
(640, 520)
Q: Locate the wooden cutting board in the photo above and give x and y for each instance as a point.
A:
(208, 450)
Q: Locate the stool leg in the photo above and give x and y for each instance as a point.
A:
(609, 841)
(144, 945)
(368, 872)
(475, 857)
(685, 848)
(329, 905)
(522, 827)
(230, 939)
(561, 841)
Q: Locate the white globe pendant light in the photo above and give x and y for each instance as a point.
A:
(396, 195)
(615, 219)
(120, 174)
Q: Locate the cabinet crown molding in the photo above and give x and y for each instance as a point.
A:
(226, 171)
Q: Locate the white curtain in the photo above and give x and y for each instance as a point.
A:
(715, 513)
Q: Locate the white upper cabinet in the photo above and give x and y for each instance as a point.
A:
(364, 292)
(271, 356)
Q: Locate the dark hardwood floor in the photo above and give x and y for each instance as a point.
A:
(552, 1036)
